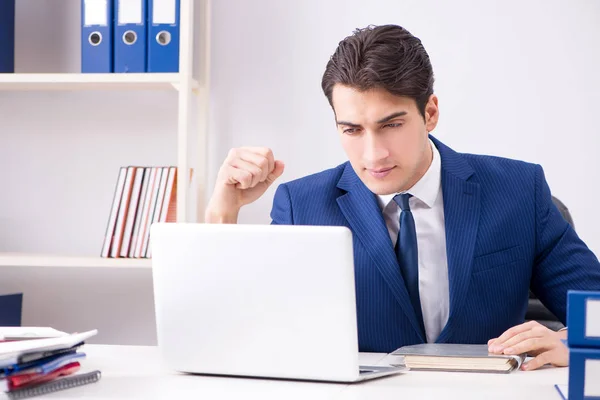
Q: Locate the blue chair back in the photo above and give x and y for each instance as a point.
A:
(11, 307)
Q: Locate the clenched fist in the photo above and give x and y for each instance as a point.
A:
(244, 176)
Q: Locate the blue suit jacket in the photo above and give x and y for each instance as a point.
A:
(503, 236)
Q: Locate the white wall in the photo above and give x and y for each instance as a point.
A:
(514, 78)
(118, 302)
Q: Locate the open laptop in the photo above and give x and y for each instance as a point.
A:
(258, 301)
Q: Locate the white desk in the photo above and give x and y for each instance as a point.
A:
(135, 372)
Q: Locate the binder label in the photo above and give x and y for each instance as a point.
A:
(592, 319)
(130, 12)
(96, 12)
(592, 383)
(164, 12)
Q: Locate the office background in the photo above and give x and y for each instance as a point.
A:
(515, 79)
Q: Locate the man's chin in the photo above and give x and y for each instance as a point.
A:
(381, 188)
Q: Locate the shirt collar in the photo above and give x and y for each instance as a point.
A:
(427, 188)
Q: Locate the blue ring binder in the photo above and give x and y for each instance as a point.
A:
(95, 38)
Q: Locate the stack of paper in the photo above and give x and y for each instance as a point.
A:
(41, 360)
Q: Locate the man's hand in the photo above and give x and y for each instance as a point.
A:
(244, 176)
(535, 340)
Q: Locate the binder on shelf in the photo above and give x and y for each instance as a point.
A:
(583, 319)
(162, 189)
(584, 370)
(149, 202)
(132, 211)
(163, 35)
(142, 196)
(96, 36)
(7, 36)
(140, 212)
(151, 211)
(130, 35)
(115, 247)
(112, 220)
(168, 212)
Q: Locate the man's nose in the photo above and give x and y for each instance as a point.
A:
(375, 150)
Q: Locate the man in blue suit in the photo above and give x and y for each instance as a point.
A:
(446, 245)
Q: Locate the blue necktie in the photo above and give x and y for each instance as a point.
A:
(407, 254)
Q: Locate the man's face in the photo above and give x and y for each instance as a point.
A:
(384, 136)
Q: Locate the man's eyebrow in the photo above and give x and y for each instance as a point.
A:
(381, 121)
(392, 116)
(347, 124)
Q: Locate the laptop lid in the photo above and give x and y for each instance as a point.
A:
(256, 300)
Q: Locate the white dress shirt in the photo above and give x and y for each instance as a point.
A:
(427, 207)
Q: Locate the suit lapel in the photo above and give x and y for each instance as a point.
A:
(359, 206)
(461, 213)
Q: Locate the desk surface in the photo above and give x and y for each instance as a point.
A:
(135, 372)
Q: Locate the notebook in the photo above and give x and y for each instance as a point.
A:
(55, 385)
(12, 351)
(456, 357)
(10, 333)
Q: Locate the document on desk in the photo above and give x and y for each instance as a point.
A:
(456, 358)
(11, 351)
(10, 333)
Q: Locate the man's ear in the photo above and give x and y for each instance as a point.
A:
(432, 113)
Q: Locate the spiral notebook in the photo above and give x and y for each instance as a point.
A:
(55, 386)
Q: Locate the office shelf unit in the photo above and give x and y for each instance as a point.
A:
(52, 260)
(192, 86)
(72, 82)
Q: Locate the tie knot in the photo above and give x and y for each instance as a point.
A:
(402, 201)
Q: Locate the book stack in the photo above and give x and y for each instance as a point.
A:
(35, 361)
(583, 339)
(143, 196)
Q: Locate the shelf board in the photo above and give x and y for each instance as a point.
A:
(64, 81)
(53, 260)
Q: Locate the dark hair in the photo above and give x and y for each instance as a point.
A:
(387, 57)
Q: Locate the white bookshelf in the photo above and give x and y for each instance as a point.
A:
(54, 260)
(191, 85)
(72, 82)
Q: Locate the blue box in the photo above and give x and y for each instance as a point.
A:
(583, 319)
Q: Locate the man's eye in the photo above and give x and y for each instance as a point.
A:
(397, 125)
(350, 131)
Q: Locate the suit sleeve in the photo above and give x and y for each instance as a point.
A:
(563, 262)
(281, 213)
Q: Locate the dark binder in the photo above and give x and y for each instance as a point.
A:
(39, 355)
